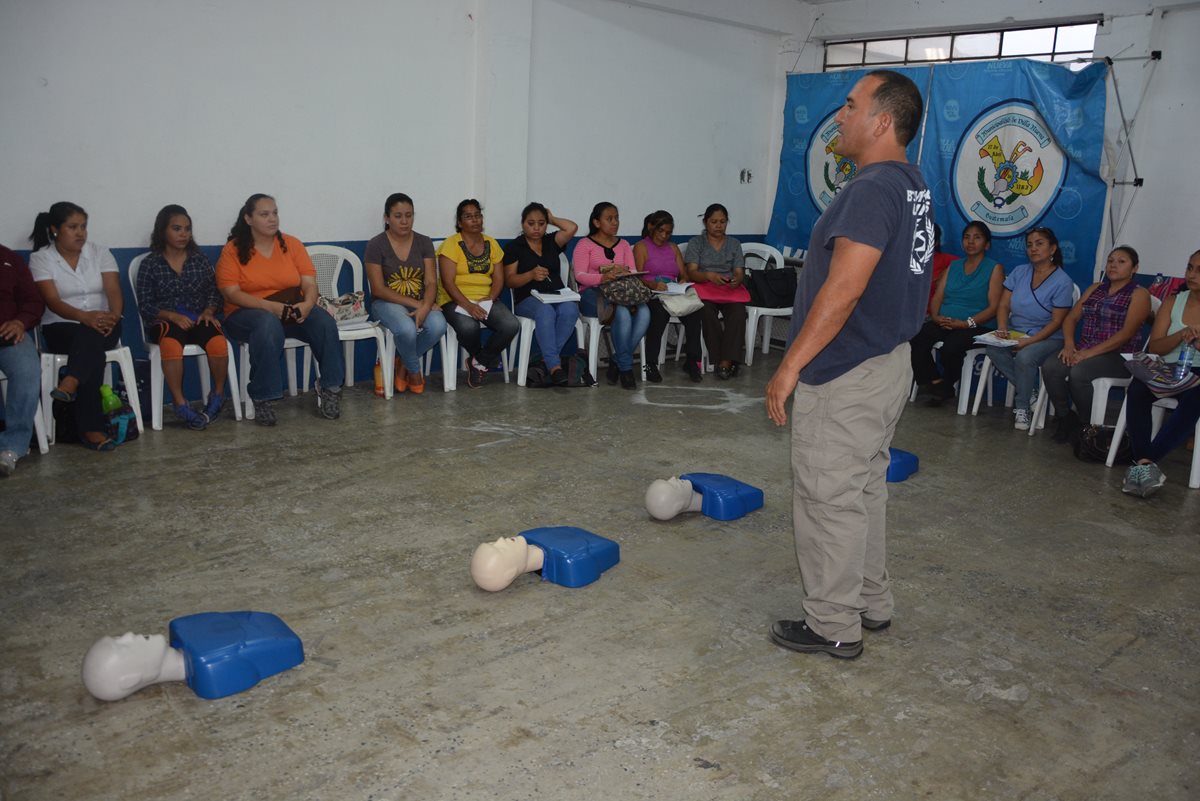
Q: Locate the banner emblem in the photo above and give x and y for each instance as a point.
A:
(1008, 168)
(828, 172)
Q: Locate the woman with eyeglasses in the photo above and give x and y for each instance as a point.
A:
(602, 257)
(1035, 301)
(469, 296)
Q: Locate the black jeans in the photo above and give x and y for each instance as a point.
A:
(659, 317)
(85, 349)
(955, 344)
(500, 321)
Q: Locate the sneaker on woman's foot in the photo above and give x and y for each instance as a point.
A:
(694, 371)
(213, 409)
(329, 402)
(194, 419)
(264, 413)
(628, 379)
(476, 374)
(1021, 419)
(652, 373)
(611, 373)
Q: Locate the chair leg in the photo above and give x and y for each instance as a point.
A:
(125, 360)
(245, 380)
(751, 332)
(594, 348)
(231, 378)
(1118, 432)
(156, 388)
(39, 430)
(984, 385)
(524, 346)
(450, 360)
(768, 332)
(1038, 418)
(1194, 477)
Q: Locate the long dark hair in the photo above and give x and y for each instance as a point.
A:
(58, 214)
(597, 210)
(655, 220)
(241, 235)
(158, 237)
(463, 205)
(1057, 258)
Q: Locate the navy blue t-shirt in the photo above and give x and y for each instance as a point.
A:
(885, 206)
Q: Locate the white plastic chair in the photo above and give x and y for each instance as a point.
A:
(39, 421)
(767, 313)
(330, 260)
(120, 355)
(523, 343)
(964, 378)
(156, 371)
(1157, 413)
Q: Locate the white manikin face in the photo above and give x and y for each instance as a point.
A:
(666, 499)
(494, 565)
(117, 667)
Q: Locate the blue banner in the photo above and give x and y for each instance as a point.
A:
(1014, 144)
(1017, 145)
(811, 172)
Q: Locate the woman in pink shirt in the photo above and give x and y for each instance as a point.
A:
(601, 257)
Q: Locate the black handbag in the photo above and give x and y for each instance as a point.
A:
(774, 289)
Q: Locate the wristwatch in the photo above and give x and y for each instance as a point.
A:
(970, 322)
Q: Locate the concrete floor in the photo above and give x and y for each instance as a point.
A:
(1044, 646)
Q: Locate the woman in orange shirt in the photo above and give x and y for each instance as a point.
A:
(270, 289)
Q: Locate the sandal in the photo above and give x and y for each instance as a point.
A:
(104, 445)
(416, 382)
(63, 396)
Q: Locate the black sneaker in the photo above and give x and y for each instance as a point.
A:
(264, 413)
(797, 636)
(874, 625)
(329, 402)
(652, 374)
(694, 371)
(611, 373)
(1065, 427)
(628, 380)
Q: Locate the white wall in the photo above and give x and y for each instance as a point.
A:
(126, 105)
(649, 110)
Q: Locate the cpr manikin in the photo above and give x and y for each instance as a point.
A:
(565, 555)
(216, 653)
(716, 496)
(116, 667)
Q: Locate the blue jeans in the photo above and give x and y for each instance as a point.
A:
(1021, 368)
(22, 366)
(629, 325)
(264, 333)
(411, 344)
(554, 326)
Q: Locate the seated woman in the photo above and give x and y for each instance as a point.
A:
(21, 308)
(270, 289)
(1177, 323)
(78, 281)
(403, 277)
(470, 291)
(531, 261)
(1113, 312)
(715, 263)
(601, 258)
(178, 300)
(964, 301)
(659, 258)
(1035, 301)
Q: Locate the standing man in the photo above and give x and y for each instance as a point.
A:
(861, 297)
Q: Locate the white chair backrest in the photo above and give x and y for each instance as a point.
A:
(1155, 305)
(134, 267)
(329, 260)
(764, 252)
(564, 268)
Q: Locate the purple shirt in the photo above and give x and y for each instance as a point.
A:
(1104, 316)
(660, 261)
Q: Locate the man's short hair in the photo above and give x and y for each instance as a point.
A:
(899, 97)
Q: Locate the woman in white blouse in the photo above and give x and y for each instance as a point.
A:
(79, 282)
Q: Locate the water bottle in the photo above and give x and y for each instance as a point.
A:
(108, 401)
(1183, 367)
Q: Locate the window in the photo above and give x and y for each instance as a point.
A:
(1058, 43)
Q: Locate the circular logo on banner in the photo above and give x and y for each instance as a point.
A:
(827, 171)
(1008, 169)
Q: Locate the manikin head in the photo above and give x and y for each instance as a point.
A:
(666, 499)
(495, 565)
(116, 667)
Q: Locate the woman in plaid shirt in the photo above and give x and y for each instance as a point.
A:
(178, 300)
